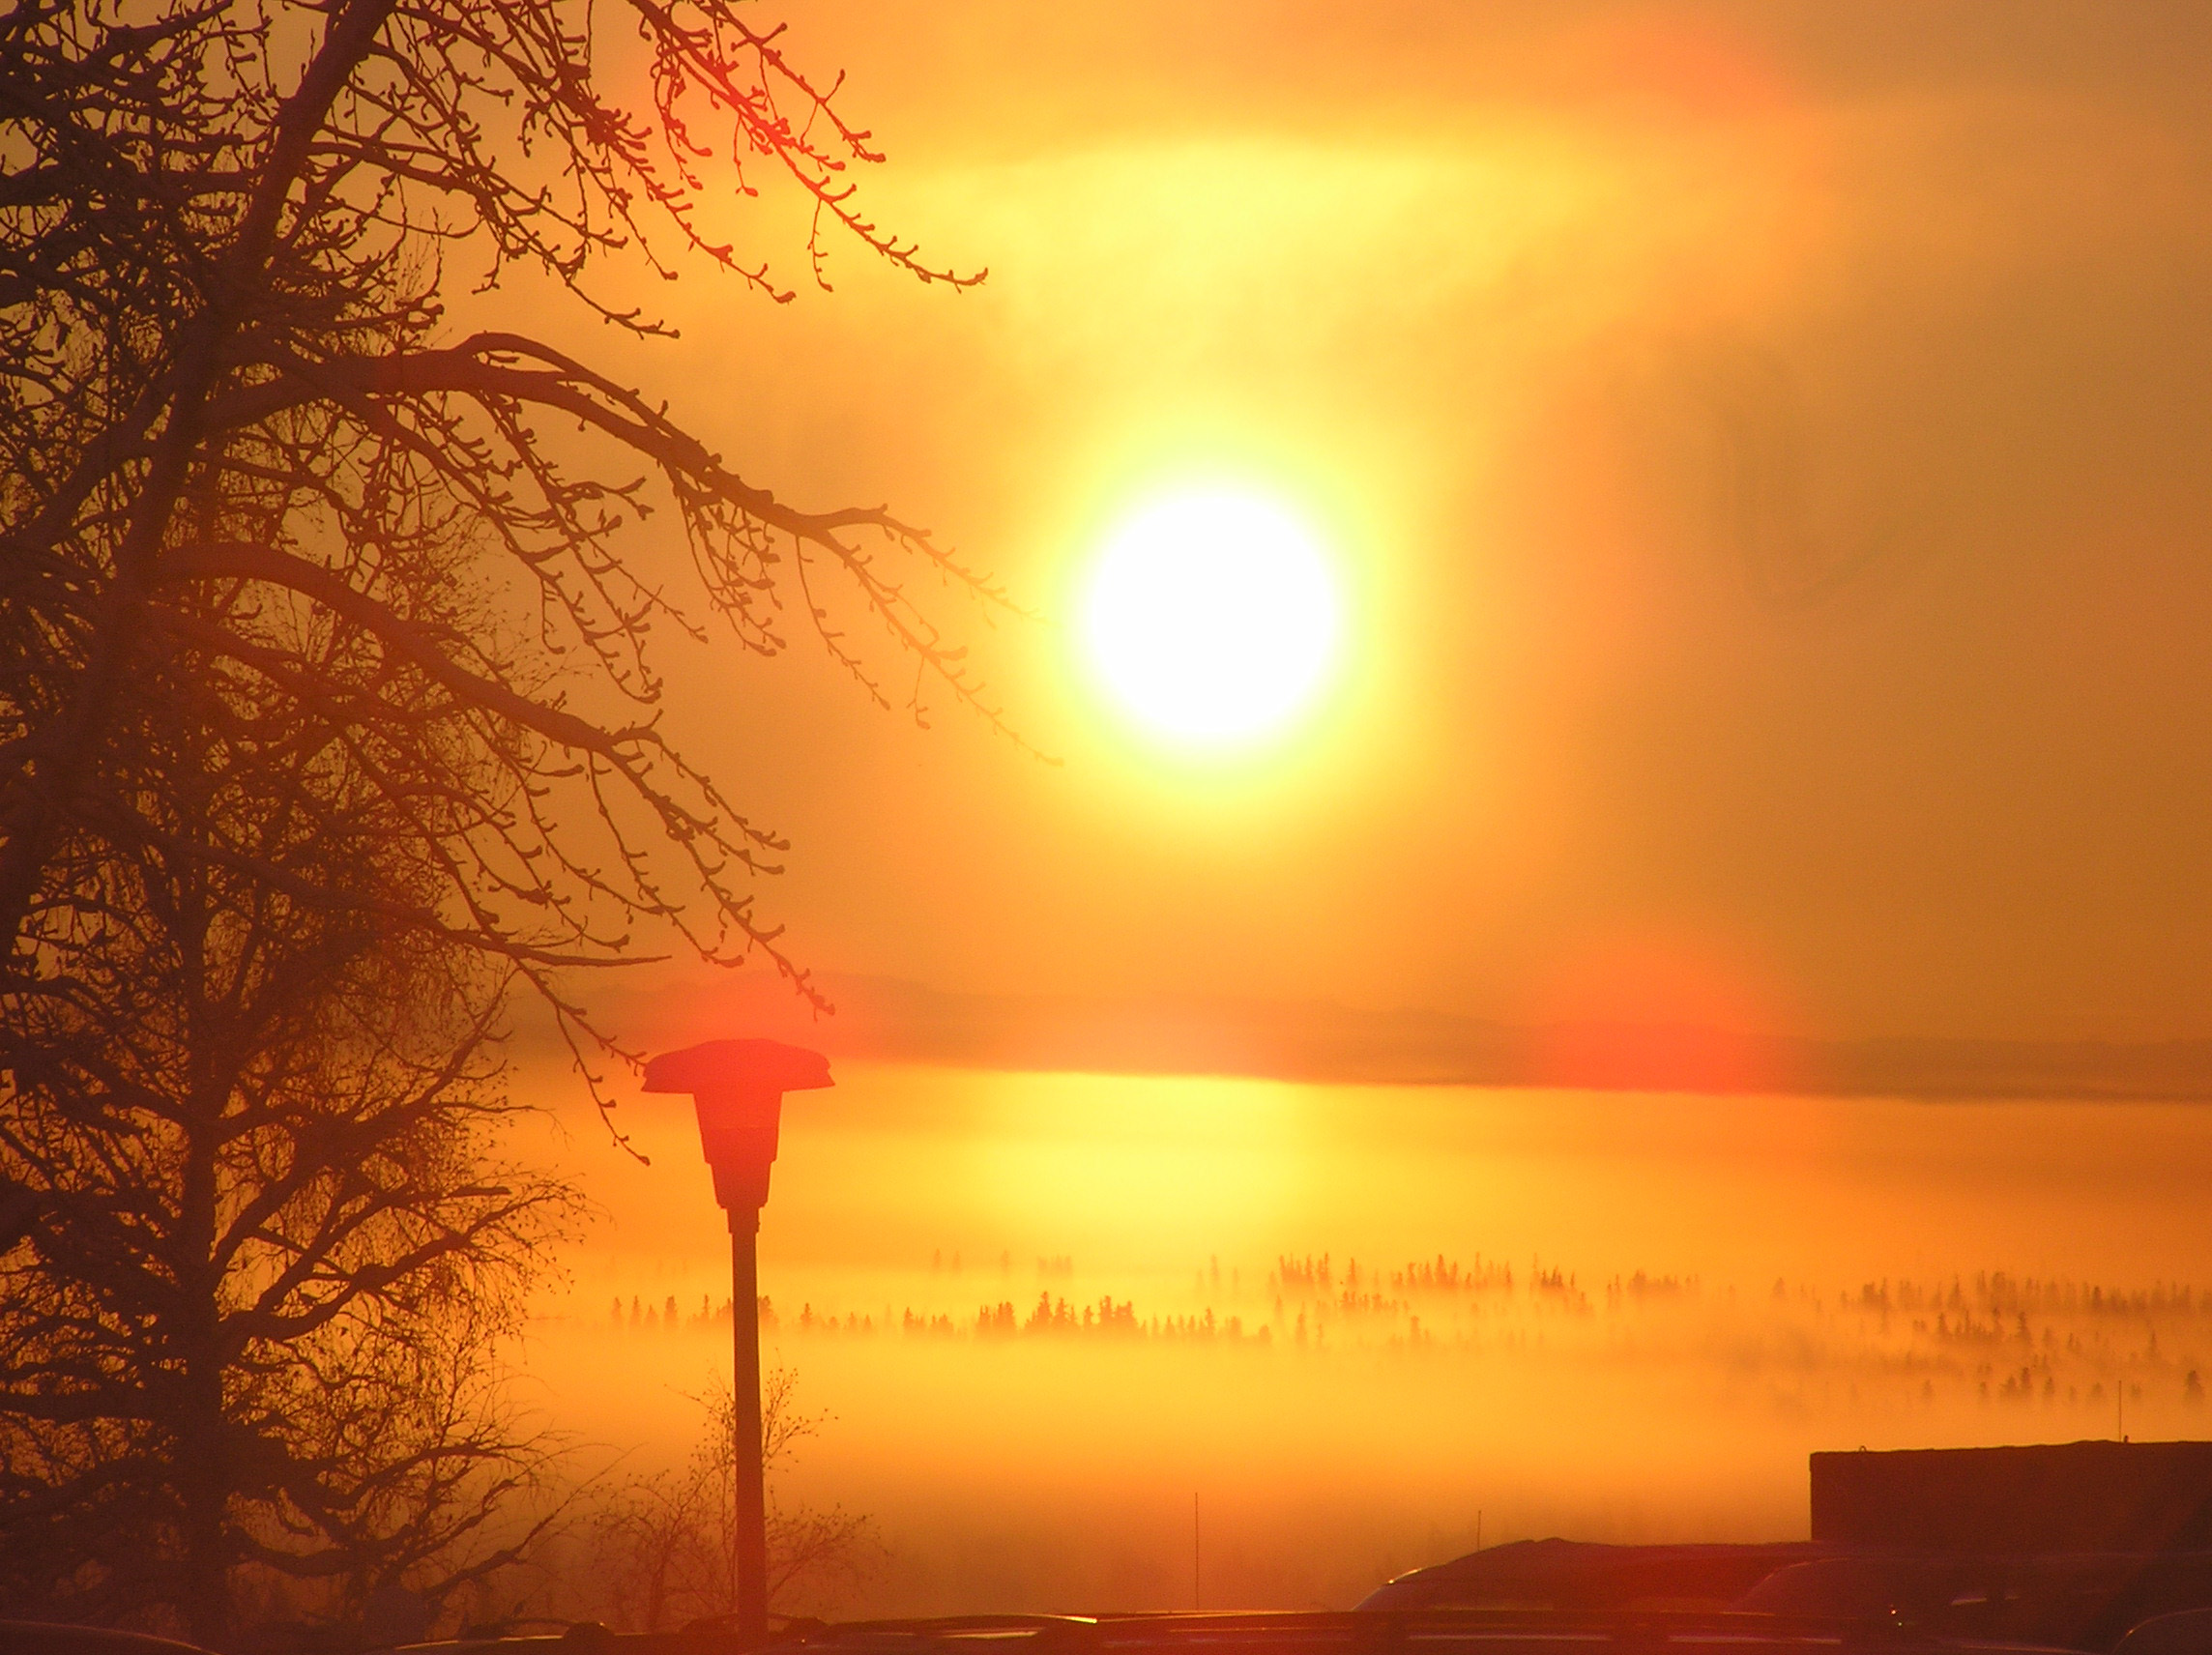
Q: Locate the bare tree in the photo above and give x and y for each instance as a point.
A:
(230, 418)
(265, 1250)
(328, 721)
(664, 1548)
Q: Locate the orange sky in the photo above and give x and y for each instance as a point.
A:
(1766, 447)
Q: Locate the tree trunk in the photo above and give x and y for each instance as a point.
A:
(203, 1447)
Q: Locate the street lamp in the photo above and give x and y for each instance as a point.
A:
(738, 1087)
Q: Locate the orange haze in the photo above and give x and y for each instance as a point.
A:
(1767, 450)
(1610, 1315)
(1768, 447)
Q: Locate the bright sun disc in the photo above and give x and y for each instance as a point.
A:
(1212, 616)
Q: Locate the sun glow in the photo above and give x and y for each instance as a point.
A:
(1212, 616)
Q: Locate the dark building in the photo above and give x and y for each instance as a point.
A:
(2068, 1496)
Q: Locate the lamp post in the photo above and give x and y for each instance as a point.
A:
(737, 1087)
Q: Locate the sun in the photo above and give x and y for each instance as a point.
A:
(1211, 617)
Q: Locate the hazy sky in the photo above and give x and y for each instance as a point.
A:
(1766, 447)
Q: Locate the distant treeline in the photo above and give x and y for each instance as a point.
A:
(1993, 1336)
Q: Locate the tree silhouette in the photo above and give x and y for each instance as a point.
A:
(264, 1250)
(329, 721)
(233, 431)
(663, 1549)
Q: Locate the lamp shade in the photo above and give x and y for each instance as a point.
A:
(737, 1087)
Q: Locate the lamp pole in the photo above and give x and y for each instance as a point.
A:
(737, 1087)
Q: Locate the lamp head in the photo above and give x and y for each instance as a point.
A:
(737, 1087)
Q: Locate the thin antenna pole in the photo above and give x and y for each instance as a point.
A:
(1197, 1598)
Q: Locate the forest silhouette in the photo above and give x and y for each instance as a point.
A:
(330, 720)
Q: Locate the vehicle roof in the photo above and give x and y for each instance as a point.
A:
(1584, 1574)
(1475, 1632)
(1371, 1633)
(57, 1638)
(1569, 1574)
